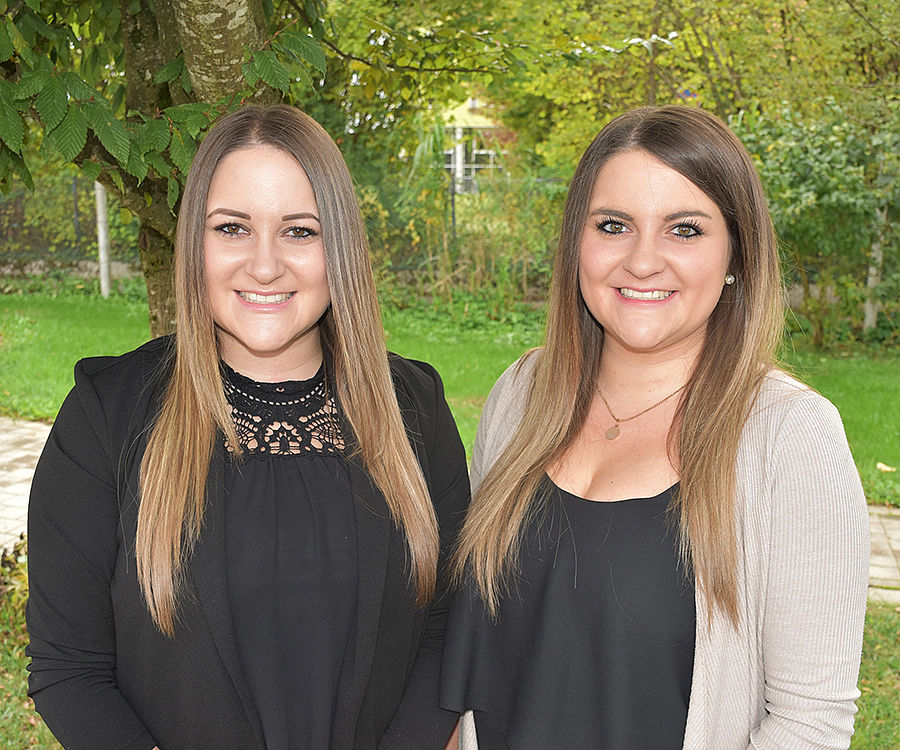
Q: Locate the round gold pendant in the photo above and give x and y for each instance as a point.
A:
(613, 432)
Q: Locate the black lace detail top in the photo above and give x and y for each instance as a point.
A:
(283, 418)
(290, 553)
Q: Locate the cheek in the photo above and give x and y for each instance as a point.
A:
(592, 270)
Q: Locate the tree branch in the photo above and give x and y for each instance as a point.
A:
(304, 17)
(869, 23)
(157, 214)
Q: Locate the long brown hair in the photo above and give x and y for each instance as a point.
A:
(176, 463)
(742, 336)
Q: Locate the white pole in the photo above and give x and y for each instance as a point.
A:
(102, 237)
(459, 162)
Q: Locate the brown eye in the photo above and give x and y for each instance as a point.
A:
(301, 233)
(611, 227)
(687, 230)
(230, 229)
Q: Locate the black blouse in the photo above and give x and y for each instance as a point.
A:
(594, 645)
(291, 554)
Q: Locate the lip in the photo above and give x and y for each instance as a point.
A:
(264, 300)
(644, 296)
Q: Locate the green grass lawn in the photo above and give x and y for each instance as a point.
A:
(866, 390)
(42, 336)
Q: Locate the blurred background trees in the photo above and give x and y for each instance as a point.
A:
(121, 91)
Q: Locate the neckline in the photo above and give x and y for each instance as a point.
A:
(281, 386)
(666, 492)
(282, 393)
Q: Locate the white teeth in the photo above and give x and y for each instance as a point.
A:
(265, 299)
(634, 294)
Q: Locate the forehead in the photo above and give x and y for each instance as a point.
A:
(260, 174)
(637, 179)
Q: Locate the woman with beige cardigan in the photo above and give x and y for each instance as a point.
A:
(668, 542)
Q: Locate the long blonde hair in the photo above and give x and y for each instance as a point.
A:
(176, 463)
(742, 336)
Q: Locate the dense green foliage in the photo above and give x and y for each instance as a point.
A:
(812, 87)
(833, 185)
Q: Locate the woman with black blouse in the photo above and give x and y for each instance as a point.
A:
(236, 534)
(668, 540)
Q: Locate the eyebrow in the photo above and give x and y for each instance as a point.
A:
(242, 215)
(627, 217)
(302, 215)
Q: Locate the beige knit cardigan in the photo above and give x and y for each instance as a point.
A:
(786, 678)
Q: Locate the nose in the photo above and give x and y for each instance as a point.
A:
(645, 258)
(264, 263)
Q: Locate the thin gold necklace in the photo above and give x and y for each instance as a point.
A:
(613, 432)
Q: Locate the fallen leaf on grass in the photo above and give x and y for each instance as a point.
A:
(884, 467)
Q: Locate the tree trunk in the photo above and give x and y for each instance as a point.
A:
(873, 278)
(146, 50)
(212, 36)
(214, 60)
(156, 261)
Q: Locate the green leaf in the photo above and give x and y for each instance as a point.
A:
(172, 191)
(117, 179)
(77, 88)
(70, 135)
(12, 129)
(6, 45)
(162, 167)
(185, 80)
(136, 166)
(13, 165)
(154, 135)
(305, 48)
(91, 169)
(91, 63)
(35, 5)
(109, 130)
(170, 71)
(185, 112)
(192, 117)
(52, 102)
(251, 76)
(118, 98)
(30, 83)
(271, 70)
(182, 149)
(31, 26)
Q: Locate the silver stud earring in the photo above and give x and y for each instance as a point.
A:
(729, 279)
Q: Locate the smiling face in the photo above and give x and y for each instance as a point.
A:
(653, 257)
(265, 265)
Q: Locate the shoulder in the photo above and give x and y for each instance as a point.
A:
(506, 402)
(785, 405)
(137, 366)
(413, 375)
(794, 437)
(502, 413)
(128, 384)
(420, 392)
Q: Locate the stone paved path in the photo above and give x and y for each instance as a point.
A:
(21, 442)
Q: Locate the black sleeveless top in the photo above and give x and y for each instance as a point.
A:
(594, 645)
(291, 554)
